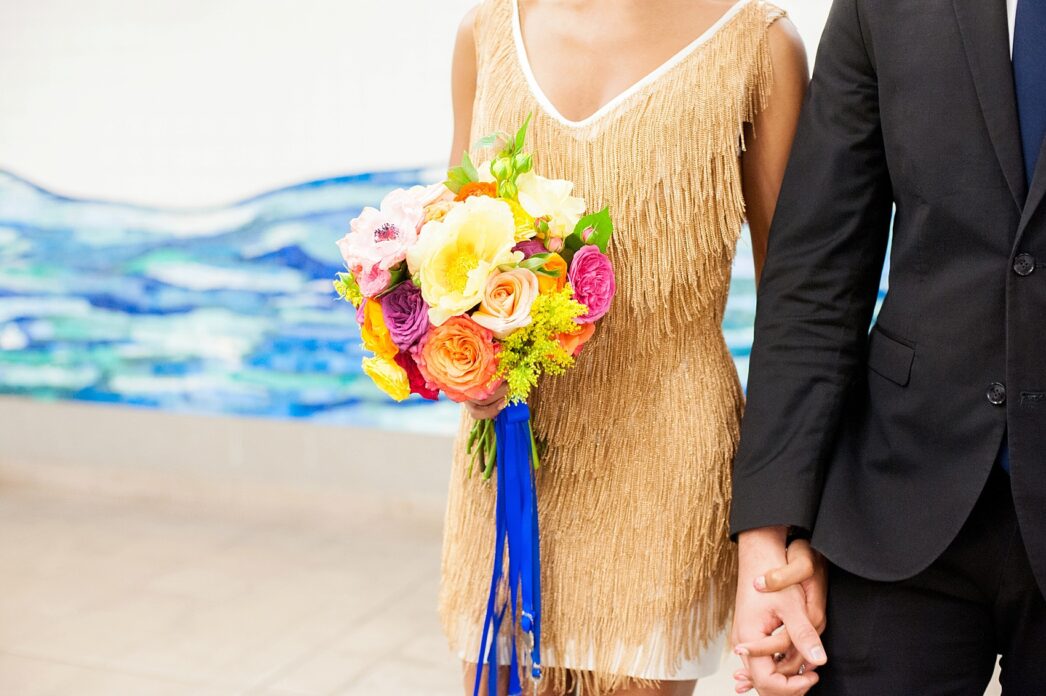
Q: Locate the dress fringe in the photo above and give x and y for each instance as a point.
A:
(634, 489)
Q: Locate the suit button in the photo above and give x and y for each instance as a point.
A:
(996, 394)
(1024, 264)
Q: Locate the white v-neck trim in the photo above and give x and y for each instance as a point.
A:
(550, 108)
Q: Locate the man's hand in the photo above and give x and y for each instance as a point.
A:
(771, 616)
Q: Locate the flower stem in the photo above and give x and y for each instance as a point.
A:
(533, 448)
(491, 449)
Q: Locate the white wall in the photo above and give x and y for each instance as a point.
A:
(194, 102)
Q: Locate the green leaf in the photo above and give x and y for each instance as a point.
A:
(468, 167)
(537, 263)
(521, 134)
(456, 178)
(602, 227)
(489, 140)
(398, 274)
(532, 264)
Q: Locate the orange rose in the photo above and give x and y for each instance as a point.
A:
(547, 284)
(477, 188)
(573, 342)
(461, 358)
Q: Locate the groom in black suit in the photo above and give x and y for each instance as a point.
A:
(913, 454)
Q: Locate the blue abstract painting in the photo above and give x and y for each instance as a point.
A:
(221, 310)
(224, 310)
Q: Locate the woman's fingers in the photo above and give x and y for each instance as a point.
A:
(495, 397)
(483, 409)
(742, 682)
(485, 412)
(489, 407)
(769, 682)
(800, 567)
(769, 646)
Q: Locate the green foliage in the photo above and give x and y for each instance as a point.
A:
(397, 275)
(521, 135)
(506, 166)
(490, 140)
(456, 178)
(534, 350)
(348, 290)
(462, 174)
(601, 227)
(537, 262)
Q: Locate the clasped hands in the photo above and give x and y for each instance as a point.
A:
(779, 613)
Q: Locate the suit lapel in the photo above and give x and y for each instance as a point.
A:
(986, 38)
(1036, 194)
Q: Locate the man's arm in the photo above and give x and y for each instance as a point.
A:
(819, 286)
(818, 290)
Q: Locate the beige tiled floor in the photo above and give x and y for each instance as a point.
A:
(115, 597)
(125, 598)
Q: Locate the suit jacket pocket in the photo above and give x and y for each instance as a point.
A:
(889, 357)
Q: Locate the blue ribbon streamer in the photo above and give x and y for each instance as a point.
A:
(516, 526)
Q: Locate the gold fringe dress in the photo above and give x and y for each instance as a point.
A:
(634, 488)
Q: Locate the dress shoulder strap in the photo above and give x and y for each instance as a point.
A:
(771, 12)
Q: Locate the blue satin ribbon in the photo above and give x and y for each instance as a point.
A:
(516, 525)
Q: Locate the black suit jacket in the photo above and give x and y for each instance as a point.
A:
(880, 442)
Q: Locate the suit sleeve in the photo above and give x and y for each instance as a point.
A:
(819, 286)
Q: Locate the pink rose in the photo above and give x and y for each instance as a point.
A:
(378, 239)
(592, 277)
(373, 280)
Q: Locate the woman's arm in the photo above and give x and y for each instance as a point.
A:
(769, 138)
(463, 85)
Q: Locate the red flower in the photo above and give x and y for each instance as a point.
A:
(414, 376)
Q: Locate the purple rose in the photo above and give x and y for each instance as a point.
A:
(406, 314)
(592, 278)
(530, 247)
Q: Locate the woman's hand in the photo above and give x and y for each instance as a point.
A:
(490, 407)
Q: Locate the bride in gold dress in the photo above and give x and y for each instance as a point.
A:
(679, 115)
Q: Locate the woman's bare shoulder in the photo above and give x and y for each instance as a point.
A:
(787, 50)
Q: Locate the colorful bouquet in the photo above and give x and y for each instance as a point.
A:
(495, 276)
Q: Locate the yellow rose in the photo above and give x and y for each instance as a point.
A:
(390, 377)
(551, 199)
(547, 284)
(453, 257)
(524, 222)
(375, 333)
